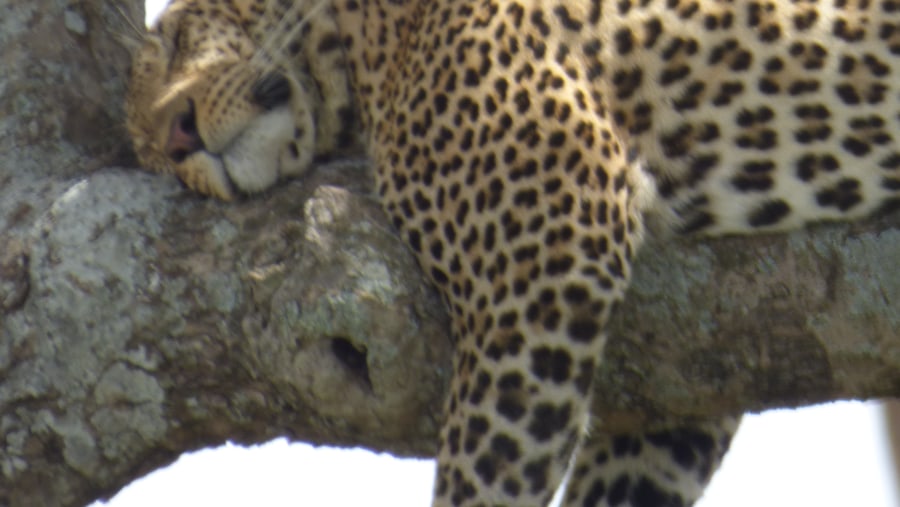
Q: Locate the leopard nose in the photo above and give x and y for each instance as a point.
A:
(271, 90)
(184, 139)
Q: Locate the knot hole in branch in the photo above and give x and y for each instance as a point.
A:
(353, 357)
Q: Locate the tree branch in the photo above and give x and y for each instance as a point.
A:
(139, 321)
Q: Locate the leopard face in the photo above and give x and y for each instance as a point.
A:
(231, 107)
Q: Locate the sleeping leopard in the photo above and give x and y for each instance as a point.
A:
(524, 149)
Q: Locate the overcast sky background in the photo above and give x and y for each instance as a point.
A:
(834, 455)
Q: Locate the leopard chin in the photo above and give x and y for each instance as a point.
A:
(260, 156)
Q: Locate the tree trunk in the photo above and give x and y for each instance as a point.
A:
(139, 321)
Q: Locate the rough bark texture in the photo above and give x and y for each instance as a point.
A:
(138, 321)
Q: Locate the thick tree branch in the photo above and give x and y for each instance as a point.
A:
(138, 321)
(157, 322)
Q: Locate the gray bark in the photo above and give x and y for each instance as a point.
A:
(138, 321)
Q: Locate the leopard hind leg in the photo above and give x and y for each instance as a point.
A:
(668, 467)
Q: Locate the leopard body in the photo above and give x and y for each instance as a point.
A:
(524, 149)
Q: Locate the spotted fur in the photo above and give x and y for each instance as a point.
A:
(524, 149)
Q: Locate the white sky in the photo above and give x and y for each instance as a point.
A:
(832, 455)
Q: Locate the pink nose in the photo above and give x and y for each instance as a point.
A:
(183, 137)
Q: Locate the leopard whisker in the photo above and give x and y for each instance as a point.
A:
(139, 31)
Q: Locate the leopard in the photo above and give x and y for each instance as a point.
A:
(525, 150)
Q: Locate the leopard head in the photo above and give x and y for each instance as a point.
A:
(209, 103)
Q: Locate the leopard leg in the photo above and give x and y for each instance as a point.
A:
(663, 468)
(509, 436)
(527, 219)
(525, 363)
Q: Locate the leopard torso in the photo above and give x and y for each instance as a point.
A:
(524, 148)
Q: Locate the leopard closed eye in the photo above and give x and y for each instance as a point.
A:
(522, 149)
